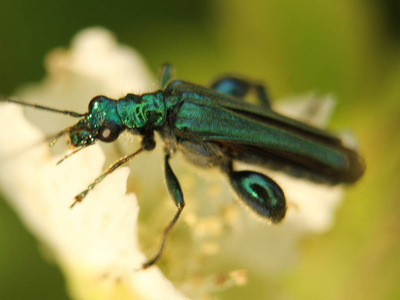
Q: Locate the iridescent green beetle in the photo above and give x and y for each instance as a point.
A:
(213, 127)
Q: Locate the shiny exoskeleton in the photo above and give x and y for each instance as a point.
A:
(213, 127)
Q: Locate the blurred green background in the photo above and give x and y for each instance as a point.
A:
(350, 48)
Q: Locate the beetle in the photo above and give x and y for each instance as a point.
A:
(213, 127)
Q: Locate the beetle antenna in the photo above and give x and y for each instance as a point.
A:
(53, 139)
(65, 112)
(70, 154)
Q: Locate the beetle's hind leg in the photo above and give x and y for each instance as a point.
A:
(240, 88)
(258, 192)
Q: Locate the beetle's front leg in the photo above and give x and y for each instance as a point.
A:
(259, 192)
(240, 88)
(175, 191)
(165, 75)
(148, 143)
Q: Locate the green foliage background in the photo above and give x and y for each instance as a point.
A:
(350, 48)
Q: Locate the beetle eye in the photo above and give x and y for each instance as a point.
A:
(109, 133)
(94, 101)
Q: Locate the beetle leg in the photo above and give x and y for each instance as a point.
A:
(175, 191)
(258, 192)
(148, 143)
(239, 88)
(165, 75)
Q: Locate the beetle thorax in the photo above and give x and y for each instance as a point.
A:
(147, 111)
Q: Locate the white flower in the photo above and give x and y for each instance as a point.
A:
(96, 242)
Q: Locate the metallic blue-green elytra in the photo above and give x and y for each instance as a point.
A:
(213, 127)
